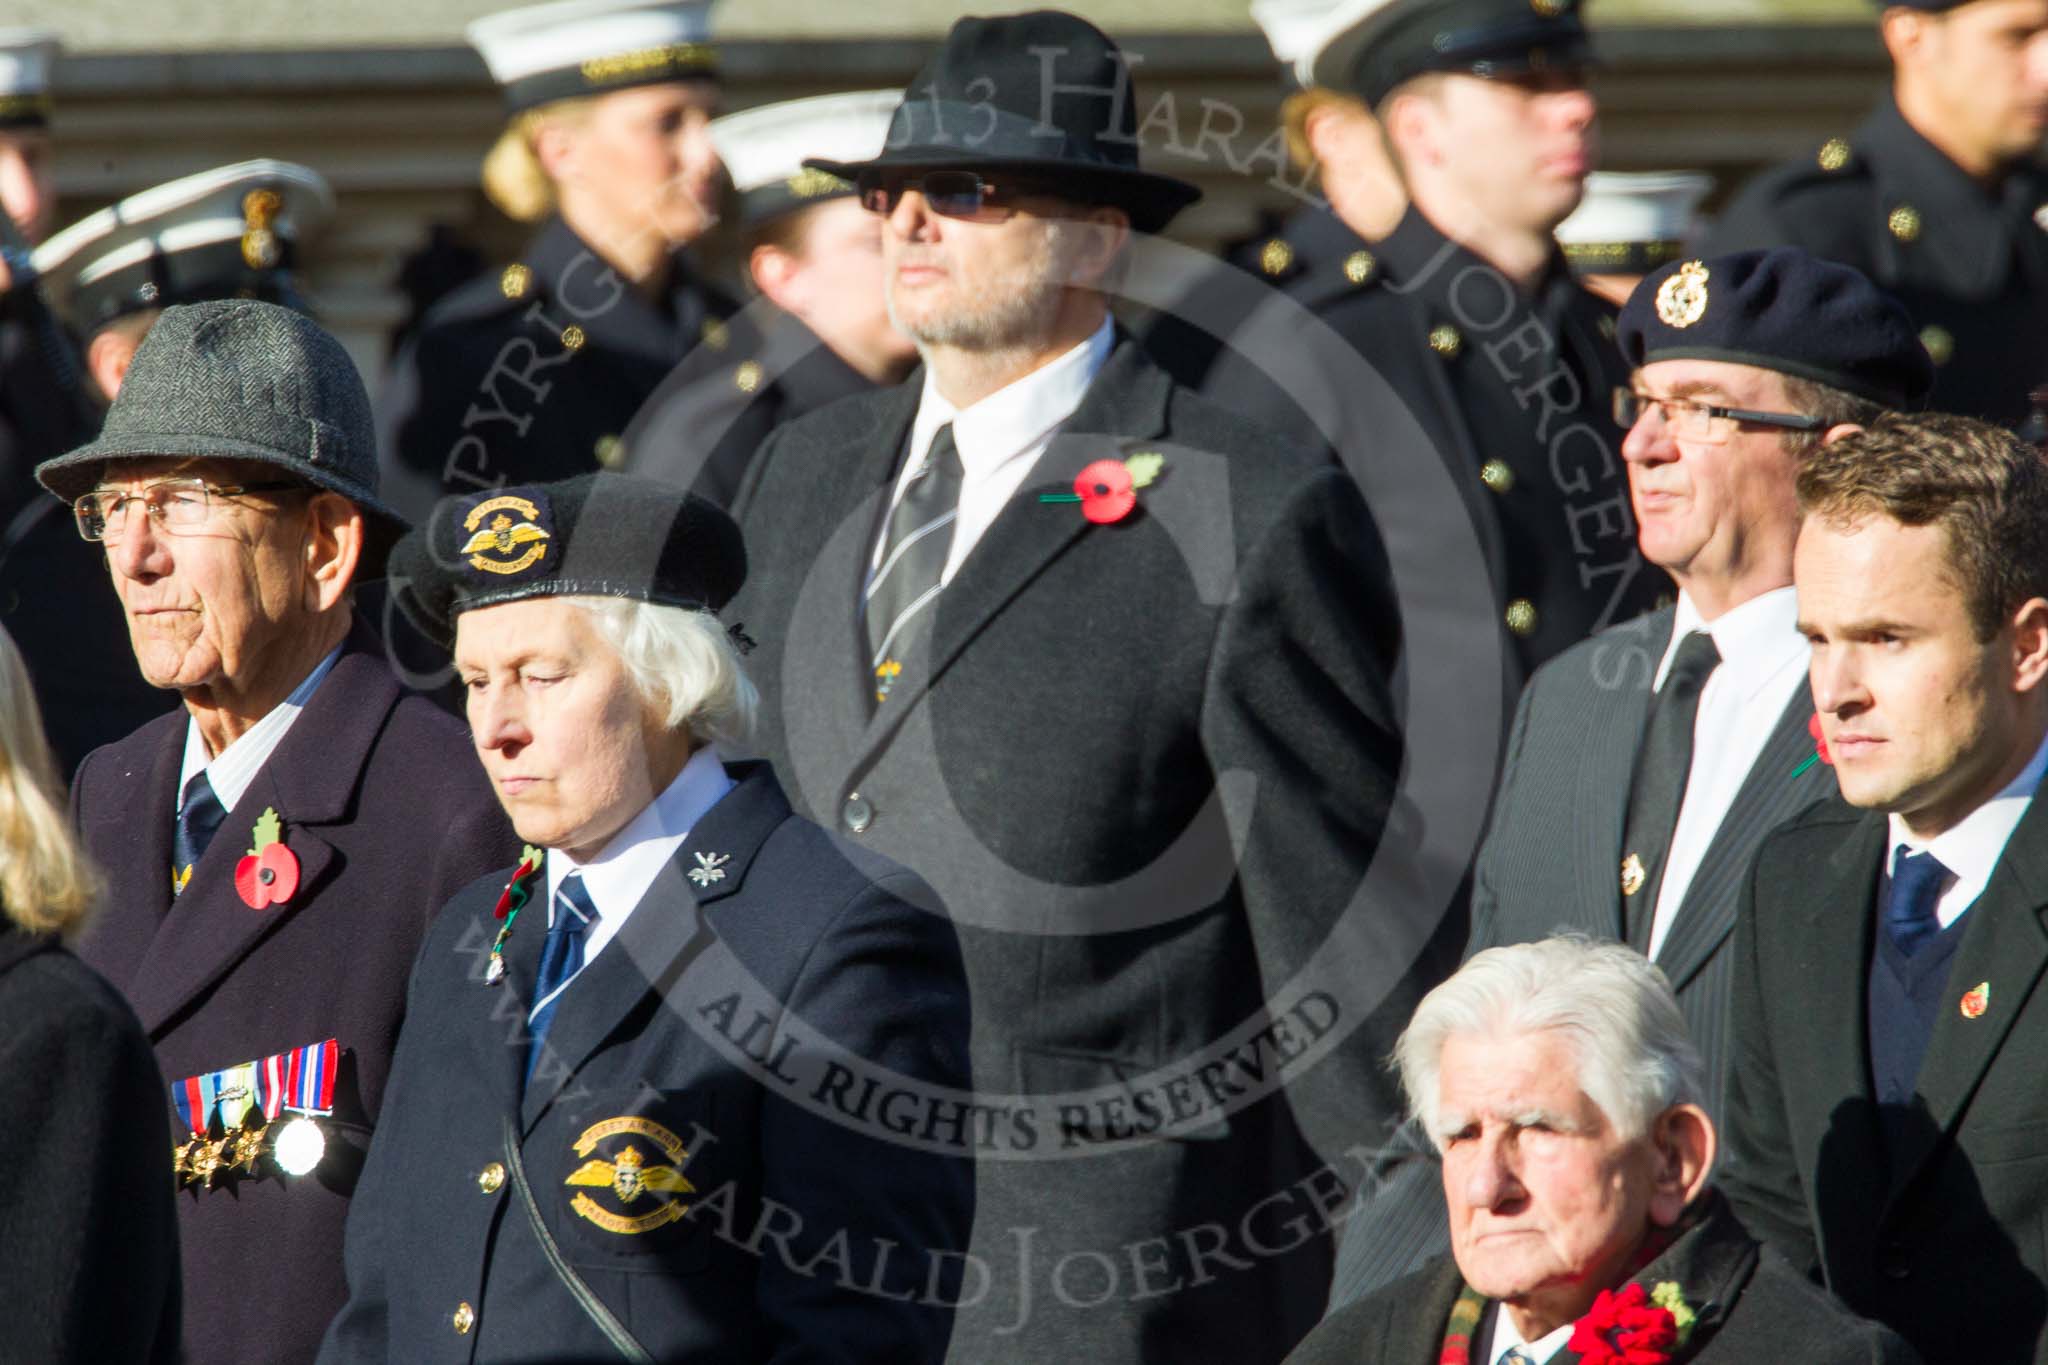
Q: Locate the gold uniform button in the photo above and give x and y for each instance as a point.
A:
(1521, 617)
(465, 1318)
(1275, 256)
(1834, 154)
(516, 280)
(1904, 223)
(491, 1177)
(1549, 9)
(747, 377)
(1359, 266)
(1939, 343)
(1496, 475)
(573, 338)
(714, 334)
(1445, 341)
(609, 451)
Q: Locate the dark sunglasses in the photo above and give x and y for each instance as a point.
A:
(951, 194)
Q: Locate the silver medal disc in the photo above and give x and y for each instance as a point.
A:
(299, 1146)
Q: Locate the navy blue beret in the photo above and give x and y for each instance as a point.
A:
(600, 535)
(1784, 310)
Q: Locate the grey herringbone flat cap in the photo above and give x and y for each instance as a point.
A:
(242, 380)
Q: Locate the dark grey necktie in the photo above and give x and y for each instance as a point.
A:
(914, 550)
(1658, 789)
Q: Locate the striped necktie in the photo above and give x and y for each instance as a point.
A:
(561, 957)
(1516, 1356)
(914, 552)
(199, 819)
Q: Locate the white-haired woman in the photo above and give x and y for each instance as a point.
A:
(87, 1218)
(533, 372)
(600, 1135)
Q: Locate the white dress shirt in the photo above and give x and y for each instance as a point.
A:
(618, 878)
(230, 771)
(1000, 438)
(1971, 850)
(1506, 1338)
(1763, 663)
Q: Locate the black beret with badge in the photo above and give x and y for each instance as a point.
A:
(598, 535)
(1372, 46)
(231, 232)
(1785, 310)
(1044, 95)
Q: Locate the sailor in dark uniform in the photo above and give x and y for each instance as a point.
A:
(1941, 197)
(819, 330)
(533, 372)
(1466, 308)
(613, 1129)
(232, 232)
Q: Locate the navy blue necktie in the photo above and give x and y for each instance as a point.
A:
(1909, 908)
(1518, 1356)
(199, 820)
(561, 957)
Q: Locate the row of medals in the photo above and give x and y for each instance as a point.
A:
(296, 1147)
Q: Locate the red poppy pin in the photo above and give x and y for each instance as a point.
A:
(1820, 746)
(1627, 1328)
(1108, 489)
(269, 875)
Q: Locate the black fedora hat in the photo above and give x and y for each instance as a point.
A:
(1042, 94)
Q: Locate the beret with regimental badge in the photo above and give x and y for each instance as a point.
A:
(26, 56)
(764, 148)
(232, 232)
(1785, 310)
(1372, 46)
(544, 53)
(598, 535)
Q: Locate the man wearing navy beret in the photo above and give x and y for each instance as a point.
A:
(1646, 763)
(1940, 196)
(613, 1130)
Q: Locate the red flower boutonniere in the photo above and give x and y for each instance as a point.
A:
(269, 875)
(1820, 747)
(1628, 1328)
(1108, 489)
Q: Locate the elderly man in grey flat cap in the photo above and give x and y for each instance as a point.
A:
(275, 849)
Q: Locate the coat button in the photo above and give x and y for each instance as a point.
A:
(1359, 265)
(465, 1318)
(1904, 222)
(1496, 475)
(1446, 340)
(857, 814)
(491, 1177)
(1521, 617)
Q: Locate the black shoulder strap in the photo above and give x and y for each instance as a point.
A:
(593, 1307)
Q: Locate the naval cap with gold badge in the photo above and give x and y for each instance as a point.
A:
(1785, 310)
(1372, 46)
(543, 53)
(26, 57)
(764, 148)
(1631, 223)
(598, 535)
(231, 232)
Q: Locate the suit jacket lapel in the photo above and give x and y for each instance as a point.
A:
(1769, 796)
(309, 780)
(661, 938)
(1832, 1078)
(1607, 764)
(137, 854)
(2003, 946)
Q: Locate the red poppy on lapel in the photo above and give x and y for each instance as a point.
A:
(269, 875)
(1108, 489)
(1624, 1329)
(1820, 746)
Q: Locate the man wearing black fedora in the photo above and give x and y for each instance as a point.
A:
(275, 847)
(1109, 668)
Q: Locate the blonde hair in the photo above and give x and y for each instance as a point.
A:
(513, 177)
(45, 877)
(1294, 115)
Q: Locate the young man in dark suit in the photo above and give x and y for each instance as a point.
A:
(1887, 1121)
(1646, 764)
(602, 1140)
(275, 848)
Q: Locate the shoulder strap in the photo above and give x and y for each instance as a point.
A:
(593, 1307)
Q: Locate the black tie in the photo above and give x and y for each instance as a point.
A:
(199, 819)
(1658, 789)
(914, 551)
(1910, 917)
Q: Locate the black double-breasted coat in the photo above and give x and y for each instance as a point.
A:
(386, 809)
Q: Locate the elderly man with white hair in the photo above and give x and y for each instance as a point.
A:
(1558, 1082)
(674, 1086)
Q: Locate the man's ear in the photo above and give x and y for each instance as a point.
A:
(775, 273)
(554, 146)
(336, 533)
(2030, 645)
(1104, 232)
(107, 358)
(1838, 431)
(1684, 1144)
(1905, 33)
